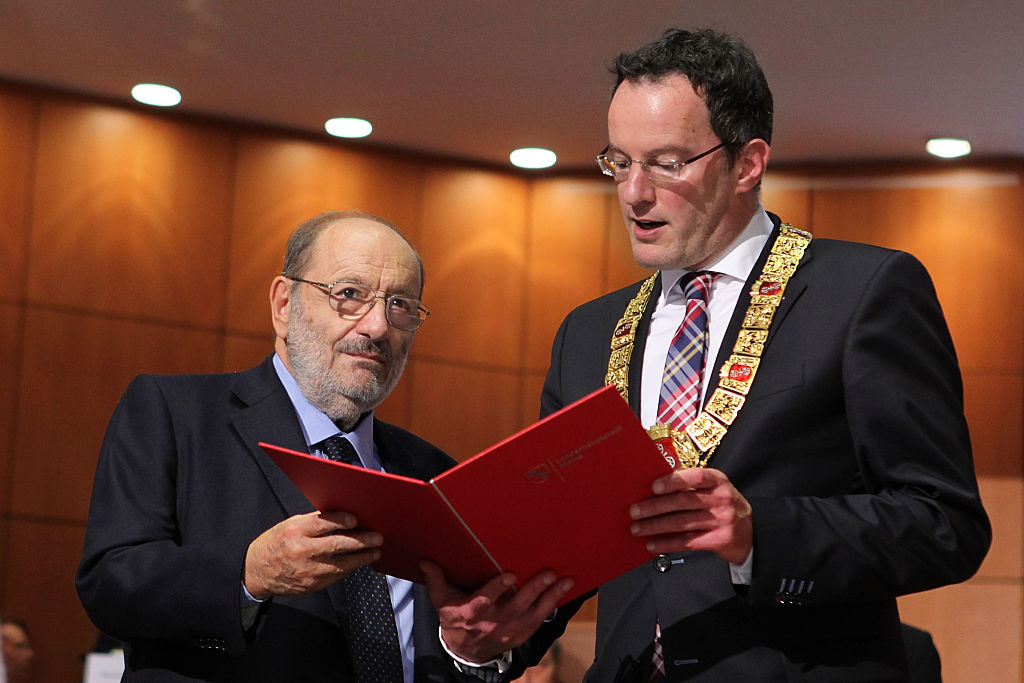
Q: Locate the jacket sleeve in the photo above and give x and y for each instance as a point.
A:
(137, 579)
(910, 518)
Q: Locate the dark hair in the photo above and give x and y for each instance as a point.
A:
(721, 69)
(300, 243)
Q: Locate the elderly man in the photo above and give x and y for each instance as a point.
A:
(202, 556)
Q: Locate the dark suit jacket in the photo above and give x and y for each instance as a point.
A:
(181, 490)
(924, 665)
(853, 451)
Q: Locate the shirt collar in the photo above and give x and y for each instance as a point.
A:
(316, 426)
(738, 258)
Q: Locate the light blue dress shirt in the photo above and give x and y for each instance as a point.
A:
(316, 427)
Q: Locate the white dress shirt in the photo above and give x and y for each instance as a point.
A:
(731, 270)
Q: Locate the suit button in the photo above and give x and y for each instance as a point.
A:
(662, 563)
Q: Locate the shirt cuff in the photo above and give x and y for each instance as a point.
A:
(743, 574)
(250, 608)
(490, 671)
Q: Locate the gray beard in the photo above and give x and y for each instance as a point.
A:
(341, 398)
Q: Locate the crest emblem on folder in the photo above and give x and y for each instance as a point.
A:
(539, 474)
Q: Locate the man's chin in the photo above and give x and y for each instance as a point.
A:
(346, 410)
(365, 396)
(651, 256)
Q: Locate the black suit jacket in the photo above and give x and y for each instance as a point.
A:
(181, 489)
(853, 451)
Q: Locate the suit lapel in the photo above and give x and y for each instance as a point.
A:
(794, 289)
(636, 360)
(266, 414)
(393, 457)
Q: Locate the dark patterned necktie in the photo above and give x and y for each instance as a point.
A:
(373, 637)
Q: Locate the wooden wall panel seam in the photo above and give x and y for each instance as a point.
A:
(524, 303)
(230, 192)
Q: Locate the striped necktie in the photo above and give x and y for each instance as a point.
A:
(373, 637)
(684, 364)
(680, 389)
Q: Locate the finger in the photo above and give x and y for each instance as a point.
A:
(432, 572)
(348, 561)
(321, 523)
(318, 573)
(732, 544)
(438, 588)
(529, 592)
(670, 543)
(313, 524)
(347, 542)
(541, 595)
(674, 523)
(666, 504)
(690, 479)
(496, 587)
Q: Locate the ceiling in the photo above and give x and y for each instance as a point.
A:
(861, 80)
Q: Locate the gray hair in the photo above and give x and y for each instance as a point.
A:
(300, 243)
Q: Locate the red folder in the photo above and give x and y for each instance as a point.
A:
(555, 495)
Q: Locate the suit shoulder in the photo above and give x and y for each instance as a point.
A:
(183, 383)
(262, 371)
(201, 385)
(861, 251)
(857, 261)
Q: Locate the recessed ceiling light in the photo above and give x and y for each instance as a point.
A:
(948, 148)
(348, 128)
(532, 157)
(156, 95)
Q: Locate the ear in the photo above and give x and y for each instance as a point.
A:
(280, 296)
(751, 165)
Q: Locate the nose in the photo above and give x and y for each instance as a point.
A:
(637, 187)
(374, 323)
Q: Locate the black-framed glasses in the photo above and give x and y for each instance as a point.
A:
(352, 301)
(664, 170)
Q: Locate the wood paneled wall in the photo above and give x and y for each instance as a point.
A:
(139, 241)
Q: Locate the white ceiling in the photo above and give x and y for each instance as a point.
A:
(853, 79)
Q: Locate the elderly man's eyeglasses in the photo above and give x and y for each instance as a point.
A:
(665, 170)
(352, 301)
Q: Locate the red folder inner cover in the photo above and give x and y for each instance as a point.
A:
(414, 520)
(554, 496)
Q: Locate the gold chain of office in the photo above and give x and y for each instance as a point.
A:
(694, 446)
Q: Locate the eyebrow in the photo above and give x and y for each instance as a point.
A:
(654, 153)
(402, 291)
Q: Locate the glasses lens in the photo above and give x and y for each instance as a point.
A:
(350, 299)
(664, 172)
(404, 313)
(616, 167)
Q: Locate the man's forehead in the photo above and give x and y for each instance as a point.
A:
(363, 239)
(362, 247)
(657, 117)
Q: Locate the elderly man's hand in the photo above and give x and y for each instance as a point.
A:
(496, 618)
(307, 552)
(696, 509)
